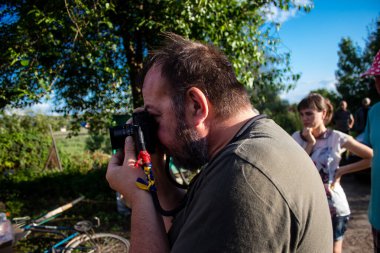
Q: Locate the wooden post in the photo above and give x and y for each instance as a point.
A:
(53, 152)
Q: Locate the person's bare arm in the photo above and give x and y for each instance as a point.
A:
(351, 121)
(360, 150)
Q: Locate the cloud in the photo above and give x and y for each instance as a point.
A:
(304, 87)
(275, 14)
(327, 84)
(41, 108)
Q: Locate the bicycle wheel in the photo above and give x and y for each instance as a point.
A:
(100, 242)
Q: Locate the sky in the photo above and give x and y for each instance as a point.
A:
(313, 40)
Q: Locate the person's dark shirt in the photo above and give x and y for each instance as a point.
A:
(361, 119)
(342, 120)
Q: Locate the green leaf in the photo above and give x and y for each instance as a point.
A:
(24, 62)
(109, 24)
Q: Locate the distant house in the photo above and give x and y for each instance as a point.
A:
(85, 124)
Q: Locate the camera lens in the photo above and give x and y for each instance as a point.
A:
(118, 135)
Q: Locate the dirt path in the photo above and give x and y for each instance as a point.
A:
(358, 237)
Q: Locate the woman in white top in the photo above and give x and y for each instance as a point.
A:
(325, 147)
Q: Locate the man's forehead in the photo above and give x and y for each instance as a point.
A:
(153, 78)
(154, 87)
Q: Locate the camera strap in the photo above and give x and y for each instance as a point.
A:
(144, 161)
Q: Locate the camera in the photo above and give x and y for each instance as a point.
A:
(143, 130)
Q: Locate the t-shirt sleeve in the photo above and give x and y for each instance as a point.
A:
(294, 135)
(235, 215)
(342, 138)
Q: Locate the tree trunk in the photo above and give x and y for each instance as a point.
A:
(134, 52)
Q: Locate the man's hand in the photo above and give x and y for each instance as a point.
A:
(122, 173)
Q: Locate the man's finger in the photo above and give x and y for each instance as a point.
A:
(129, 150)
(139, 109)
(117, 159)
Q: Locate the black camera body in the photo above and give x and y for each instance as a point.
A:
(143, 130)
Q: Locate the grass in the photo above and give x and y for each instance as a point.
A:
(73, 145)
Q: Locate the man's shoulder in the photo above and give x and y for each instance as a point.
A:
(271, 150)
(267, 137)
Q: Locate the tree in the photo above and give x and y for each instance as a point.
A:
(372, 43)
(280, 111)
(87, 54)
(353, 61)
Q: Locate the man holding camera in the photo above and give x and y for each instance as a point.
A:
(257, 191)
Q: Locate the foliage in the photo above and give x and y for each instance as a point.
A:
(353, 61)
(288, 120)
(24, 142)
(98, 140)
(87, 54)
(281, 112)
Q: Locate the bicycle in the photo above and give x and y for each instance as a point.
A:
(79, 238)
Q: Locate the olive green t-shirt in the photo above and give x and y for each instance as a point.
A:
(261, 193)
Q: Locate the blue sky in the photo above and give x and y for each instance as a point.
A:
(313, 39)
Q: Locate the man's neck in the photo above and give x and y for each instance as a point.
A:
(223, 131)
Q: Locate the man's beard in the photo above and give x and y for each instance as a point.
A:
(192, 153)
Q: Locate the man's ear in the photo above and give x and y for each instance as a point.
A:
(197, 106)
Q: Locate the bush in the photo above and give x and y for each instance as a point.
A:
(24, 143)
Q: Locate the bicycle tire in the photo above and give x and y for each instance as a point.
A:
(99, 243)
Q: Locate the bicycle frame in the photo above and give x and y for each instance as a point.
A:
(37, 226)
(80, 236)
(53, 230)
(62, 242)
